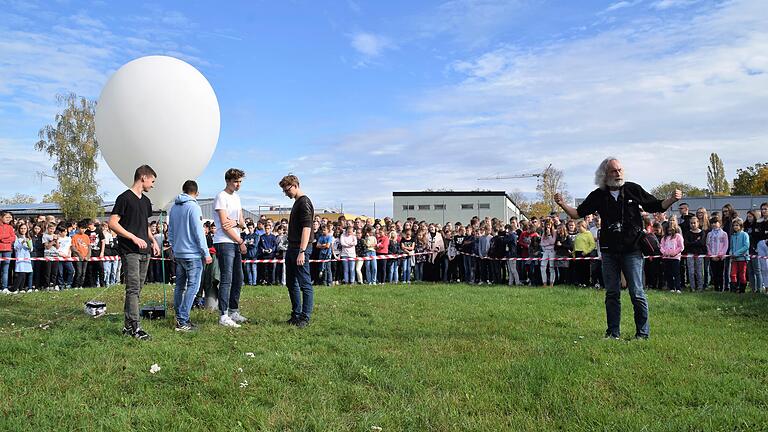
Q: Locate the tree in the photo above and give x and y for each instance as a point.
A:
(665, 189)
(550, 183)
(716, 181)
(751, 180)
(71, 143)
(18, 199)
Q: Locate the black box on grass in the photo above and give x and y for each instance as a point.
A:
(152, 312)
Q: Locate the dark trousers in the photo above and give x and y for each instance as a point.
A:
(299, 283)
(672, 271)
(80, 269)
(135, 268)
(716, 271)
(654, 274)
(22, 281)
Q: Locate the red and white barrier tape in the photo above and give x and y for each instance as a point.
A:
(598, 258)
(71, 259)
(371, 258)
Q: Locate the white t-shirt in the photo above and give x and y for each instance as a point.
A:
(65, 245)
(231, 205)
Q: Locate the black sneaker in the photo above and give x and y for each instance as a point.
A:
(186, 328)
(141, 335)
(127, 332)
(302, 323)
(293, 321)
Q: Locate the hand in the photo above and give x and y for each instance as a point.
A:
(208, 260)
(243, 249)
(559, 199)
(155, 248)
(676, 195)
(140, 243)
(300, 259)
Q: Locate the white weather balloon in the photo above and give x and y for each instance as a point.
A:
(162, 112)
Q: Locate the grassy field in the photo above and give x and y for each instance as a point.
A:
(399, 358)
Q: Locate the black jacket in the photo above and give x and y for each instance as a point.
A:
(621, 221)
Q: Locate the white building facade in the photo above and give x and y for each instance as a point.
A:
(452, 206)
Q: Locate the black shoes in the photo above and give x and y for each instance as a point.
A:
(136, 334)
(298, 322)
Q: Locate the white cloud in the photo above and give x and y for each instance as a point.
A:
(370, 45)
(470, 23)
(661, 94)
(669, 4)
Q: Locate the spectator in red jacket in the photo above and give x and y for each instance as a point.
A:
(7, 237)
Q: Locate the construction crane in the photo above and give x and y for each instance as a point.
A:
(542, 174)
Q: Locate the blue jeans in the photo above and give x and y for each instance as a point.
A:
(407, 269)
(418, 272)
(110, 272)
(754, 275)
(392, 270)
(328, 273)
(65, 273)
(348, 270)
(370, 267)
(231, 279)
(189, 273)
(251, 270)
(469, 269)
(299, 283)
(632, 266)
(4, 265)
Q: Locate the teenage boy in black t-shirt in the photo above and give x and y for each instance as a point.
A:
(297, 276)
(129, 220)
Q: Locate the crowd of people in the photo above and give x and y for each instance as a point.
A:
(697, 250)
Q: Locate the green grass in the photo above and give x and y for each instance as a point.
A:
(403, 358)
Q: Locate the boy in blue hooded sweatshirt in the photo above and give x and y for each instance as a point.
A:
(185, 233)
(267, 250)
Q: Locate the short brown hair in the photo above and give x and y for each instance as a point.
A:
(233, 174)
(289, 180)
(144, 170)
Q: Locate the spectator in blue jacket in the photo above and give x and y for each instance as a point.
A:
(251, 238)
(267, 250)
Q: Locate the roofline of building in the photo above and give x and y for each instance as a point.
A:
(450, 193)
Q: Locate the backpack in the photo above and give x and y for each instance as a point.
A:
(649, 244)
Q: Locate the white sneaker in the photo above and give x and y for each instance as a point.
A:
(56, 288)
(6, 291)
(226, 321)
(236, 317)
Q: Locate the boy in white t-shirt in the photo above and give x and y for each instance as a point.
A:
(230, 248)
(65, 270)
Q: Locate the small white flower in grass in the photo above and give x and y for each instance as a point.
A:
(239, 369)
(155, 368)
(244, 384)
(375, 428)
(250, 354)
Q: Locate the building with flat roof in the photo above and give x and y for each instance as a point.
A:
(454, 206)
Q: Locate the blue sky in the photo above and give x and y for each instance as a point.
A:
(363, 98)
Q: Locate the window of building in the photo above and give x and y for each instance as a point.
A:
(483, 206)
(423, 206)
(439, 206)
(467, 206)
(408, 207)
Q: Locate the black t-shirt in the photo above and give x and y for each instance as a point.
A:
(302, 214)
(96, 236)
(134, 213)
(621, 221)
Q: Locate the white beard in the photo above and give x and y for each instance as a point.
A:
(614, 183)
